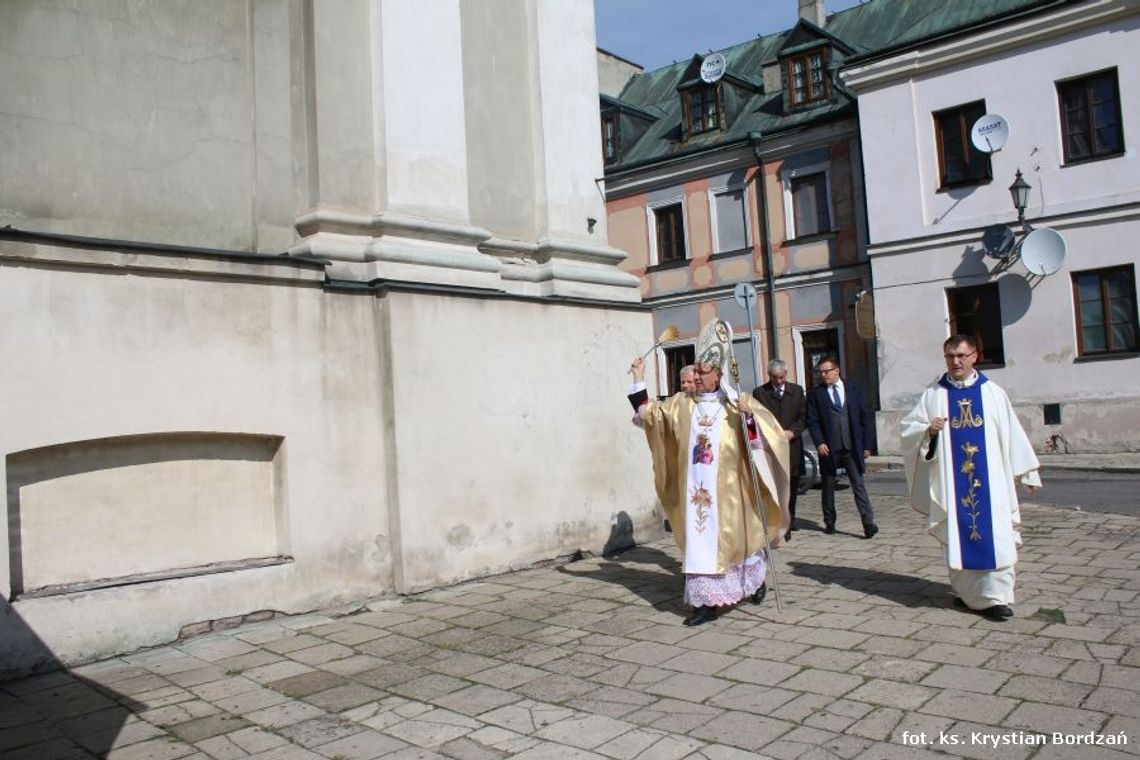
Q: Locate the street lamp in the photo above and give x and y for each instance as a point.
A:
(1019, 191)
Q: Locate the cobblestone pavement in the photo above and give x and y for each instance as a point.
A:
(869, 659)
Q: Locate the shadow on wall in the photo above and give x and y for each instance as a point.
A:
(1016, 297)
(621, 534)
(973, 269)
(58, 713)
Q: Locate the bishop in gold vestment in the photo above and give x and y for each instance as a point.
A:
(702, 476)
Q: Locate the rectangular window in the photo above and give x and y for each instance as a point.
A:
(675, 358)
(702, 113)
(976, 311)
(959, 162)
(1090, 117)
(611, 144)
(742, 351)
(1105, 305)
(810, 212)
(731, 221)
(670, 233)
(806, 78)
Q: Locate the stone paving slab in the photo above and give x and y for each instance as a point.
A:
(868, 659)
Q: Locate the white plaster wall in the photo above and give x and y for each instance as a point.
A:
(420, 92)
(517, 449)
(121, 351)
(900, 152)
(197, 502)
(415, 427)
(924, 241)
(1038, 332)
(571, 146)
(416, 450)
(614, 73)
(120, 117)
(497, 40)
(342, 108)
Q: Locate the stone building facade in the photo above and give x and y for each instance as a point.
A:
(303, 302)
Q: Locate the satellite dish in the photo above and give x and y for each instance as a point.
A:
(712, 67)
(1043, 251)
(990, 133)
(998, 241)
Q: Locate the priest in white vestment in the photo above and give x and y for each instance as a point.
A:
(704, 479)
(965, 453)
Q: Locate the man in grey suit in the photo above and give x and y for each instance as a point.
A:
(843, 428)
(786, 403)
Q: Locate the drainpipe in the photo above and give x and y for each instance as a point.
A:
(773, 342)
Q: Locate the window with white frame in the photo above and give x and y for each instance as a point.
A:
(667, 238)
(742, 350)
(730, 219)
(807, 201)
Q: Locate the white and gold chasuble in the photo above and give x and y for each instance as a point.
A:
(703, 481)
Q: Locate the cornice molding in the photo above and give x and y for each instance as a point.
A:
(920, 61)
(973, 235)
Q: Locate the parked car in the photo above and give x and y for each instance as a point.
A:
(811, 476)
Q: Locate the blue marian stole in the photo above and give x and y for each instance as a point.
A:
(971, 475)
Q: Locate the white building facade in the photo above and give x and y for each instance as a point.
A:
(1065, 75)
(302, 303)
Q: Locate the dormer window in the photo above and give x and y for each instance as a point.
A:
(807, 82)
(702, 109)
(611, 138)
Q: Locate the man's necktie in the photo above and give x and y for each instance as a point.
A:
(835, 397)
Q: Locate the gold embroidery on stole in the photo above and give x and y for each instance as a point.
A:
(970, 500)
(966, 417)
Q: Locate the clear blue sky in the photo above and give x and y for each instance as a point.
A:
(654, 33)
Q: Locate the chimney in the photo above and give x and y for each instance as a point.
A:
(813, 11)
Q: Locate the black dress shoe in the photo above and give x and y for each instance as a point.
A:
(701, 615)
(788, 536)
(997, 613)
(759, 594)
(869, 530)
(829, 529)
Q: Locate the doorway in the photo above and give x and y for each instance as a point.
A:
(813, 346)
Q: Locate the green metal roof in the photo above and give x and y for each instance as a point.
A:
(874, 28)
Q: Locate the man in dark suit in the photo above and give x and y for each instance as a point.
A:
(843, 428)
(786, 403)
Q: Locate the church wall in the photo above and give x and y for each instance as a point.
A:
(195, 439)
(118, 121)
(531, 432)
(194, 432)
(501, 176)
(167, 414)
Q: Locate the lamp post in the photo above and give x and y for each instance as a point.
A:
(1019, 191)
